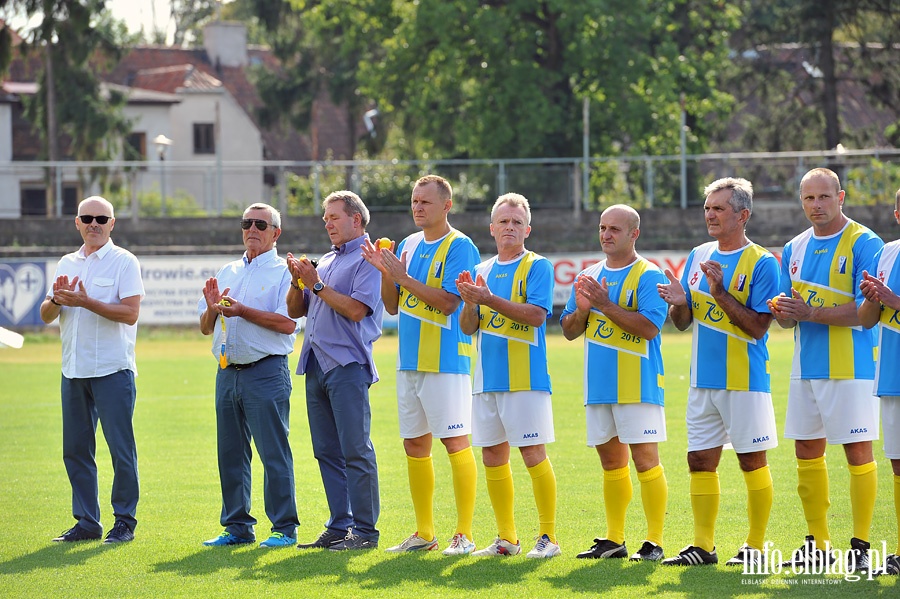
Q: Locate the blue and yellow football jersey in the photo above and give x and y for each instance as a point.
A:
(512, 356)
(827, 271)
(887, 375)
(431, 341)
(723, 356)
(620, 367)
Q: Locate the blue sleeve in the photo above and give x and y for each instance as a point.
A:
(650, 304)
(684, 276)
(539, 285)
(571, 306)
(870, 265)
(766, 283)
(785, 275)
(462, 255)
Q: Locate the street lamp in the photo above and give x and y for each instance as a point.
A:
(162, 145)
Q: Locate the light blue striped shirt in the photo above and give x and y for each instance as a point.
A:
(261, 284)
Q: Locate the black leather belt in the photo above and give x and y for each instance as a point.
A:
(250, 365)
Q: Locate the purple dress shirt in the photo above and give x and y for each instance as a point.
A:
(335, 339)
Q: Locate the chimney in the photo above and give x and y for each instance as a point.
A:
(226, 43)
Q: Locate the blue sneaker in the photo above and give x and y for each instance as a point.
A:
(226, 538)
(279, 539)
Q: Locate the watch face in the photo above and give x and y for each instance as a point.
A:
(318, 287)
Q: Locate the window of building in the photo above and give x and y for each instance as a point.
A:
(136, 146)
(204, 138)
(33, 199)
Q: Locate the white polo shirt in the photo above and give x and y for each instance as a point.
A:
(93, 346)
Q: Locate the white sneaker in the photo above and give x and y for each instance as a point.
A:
(544, 548)
(499, 547)
(459, 545)
(414, 543)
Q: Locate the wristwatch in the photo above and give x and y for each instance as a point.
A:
(319, 286)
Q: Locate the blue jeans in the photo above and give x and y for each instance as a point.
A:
(340, 420)
(255, 403)
(110, 399)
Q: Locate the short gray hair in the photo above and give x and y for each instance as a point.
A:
(276, 216)
(353, 204)
(513, 199)
(741, 192)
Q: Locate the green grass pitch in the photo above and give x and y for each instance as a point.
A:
(179, 507)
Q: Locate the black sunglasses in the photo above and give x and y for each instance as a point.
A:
(88, 219)
(261, 225)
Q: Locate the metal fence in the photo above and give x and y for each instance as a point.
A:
(226, 187)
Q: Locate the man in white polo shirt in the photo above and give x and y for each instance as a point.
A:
(96, 294)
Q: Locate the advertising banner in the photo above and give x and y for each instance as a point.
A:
(173, 284)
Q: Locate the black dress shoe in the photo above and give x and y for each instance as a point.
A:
(120, 533)
(354, 541)
(77, 533)
(325, 540)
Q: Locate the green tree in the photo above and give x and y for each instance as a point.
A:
(475, 78)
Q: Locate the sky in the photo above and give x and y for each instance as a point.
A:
(139, 13)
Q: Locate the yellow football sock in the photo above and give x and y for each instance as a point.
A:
(759, 504)
(465, 479)
(543, 483)
(502, 494)
(863, 486)
(897, 508)
(705, 505)
(812, 486)
(654, 495)
(421, 487)
(617, 492)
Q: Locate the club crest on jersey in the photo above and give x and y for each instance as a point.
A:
(694, 277)
(794, 266)
(741, 281)
(629, 298)
(521, 293)
(438, 267)
(842, 265)
(881, 276)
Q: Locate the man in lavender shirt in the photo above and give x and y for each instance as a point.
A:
(341, 299)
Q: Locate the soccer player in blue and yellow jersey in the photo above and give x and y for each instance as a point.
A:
(882, 305)
(723, 291)
(507, 304)
(434, 389)
(615, 305)
(830, 397)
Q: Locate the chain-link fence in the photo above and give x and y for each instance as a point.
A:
(155, 189)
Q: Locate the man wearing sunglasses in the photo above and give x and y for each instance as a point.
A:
(96, 294)
(244, 308)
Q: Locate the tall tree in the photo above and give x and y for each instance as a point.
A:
(795, 59)
(322, 46)
(71, 36)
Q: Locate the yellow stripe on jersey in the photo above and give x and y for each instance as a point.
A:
(629, 378)
(738, 377)
(519, 356)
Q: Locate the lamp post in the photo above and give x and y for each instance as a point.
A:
(162, 145)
